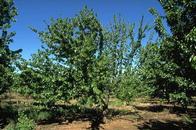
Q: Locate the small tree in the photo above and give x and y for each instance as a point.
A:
(78, 42)
(123, 48)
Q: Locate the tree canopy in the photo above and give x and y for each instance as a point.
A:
(7, 56)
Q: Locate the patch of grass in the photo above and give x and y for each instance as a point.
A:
(10, 126)
(116, 103)
(187, 119)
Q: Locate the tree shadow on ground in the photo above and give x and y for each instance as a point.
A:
(172, 109)
(70, 113)
(65, 114)
(166, 125)
(152, 108)
(169, 124)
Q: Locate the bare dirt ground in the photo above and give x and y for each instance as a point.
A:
(137, 116)
(135, 120)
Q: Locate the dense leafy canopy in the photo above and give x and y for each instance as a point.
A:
(97, 63)
(84, 61)
(8, 11)
(172, 68)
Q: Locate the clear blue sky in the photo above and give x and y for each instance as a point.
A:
(35, 12)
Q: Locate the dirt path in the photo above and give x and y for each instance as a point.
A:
(116, 124)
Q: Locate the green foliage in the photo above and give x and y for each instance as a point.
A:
(44, 79)
(180, 98)
(180, 16)
(39, 113)
(93, 61)
(172, 71)
(10, 126)
(78, 43)
(128, 88)
(191, 40)
(84, 61)
(123, 49)
(116, 102)
(150, 69)
(43, 116)
(187, 119)
(7, 56)
(24, 123)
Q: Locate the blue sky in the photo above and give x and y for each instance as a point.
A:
(35, 12)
